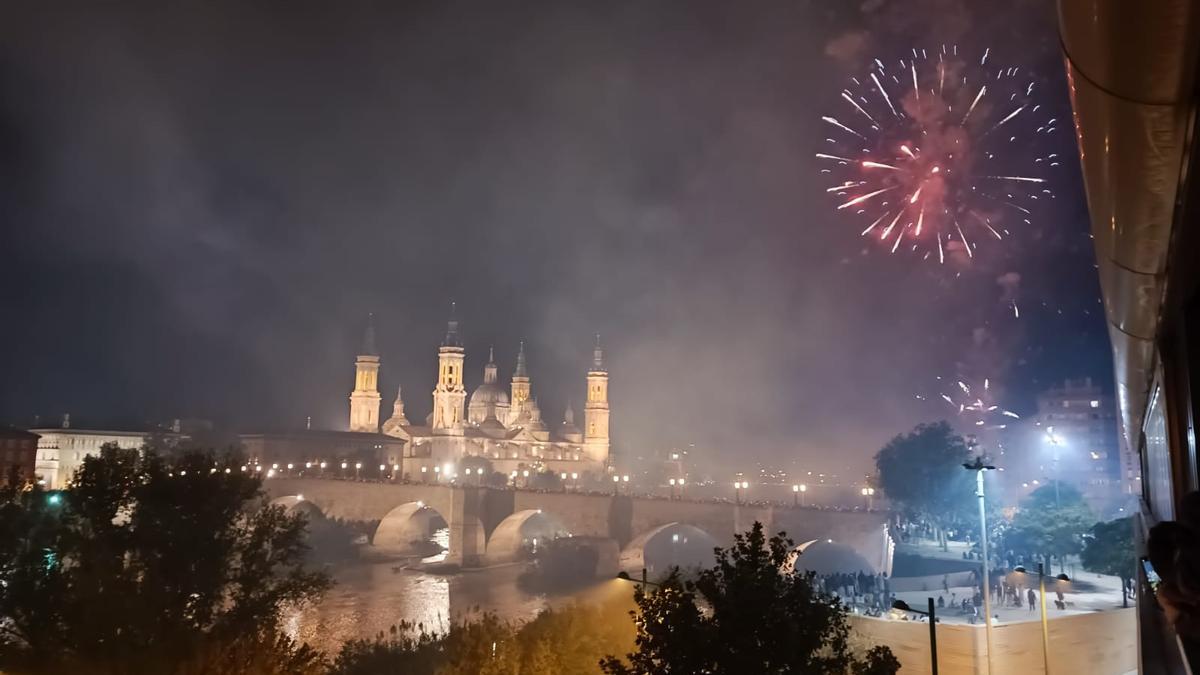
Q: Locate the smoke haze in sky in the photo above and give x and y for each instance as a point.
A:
(202, 202)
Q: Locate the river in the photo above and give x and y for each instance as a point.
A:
(370, 597)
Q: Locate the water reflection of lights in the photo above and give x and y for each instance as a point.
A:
(441, 537)
(369, 598)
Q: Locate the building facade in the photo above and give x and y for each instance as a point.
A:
(503, 428)
(364, 453)
(18, 456)
(1079, 443)
(61, 450)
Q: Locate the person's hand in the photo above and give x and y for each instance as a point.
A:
(1169, 608)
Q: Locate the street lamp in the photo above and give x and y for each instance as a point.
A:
(979, 467)
(1045, 624)
(672, 483)
(903, 607)
(738, 486)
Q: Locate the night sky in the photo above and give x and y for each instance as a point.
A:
(200, 204)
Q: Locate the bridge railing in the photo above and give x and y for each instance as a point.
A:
(568, 489)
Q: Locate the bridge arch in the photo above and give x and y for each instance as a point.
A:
(408, 529)
(671, 545)
(298, 504)
(828, 556)
(521, 531)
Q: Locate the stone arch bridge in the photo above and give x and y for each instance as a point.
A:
(486, 525)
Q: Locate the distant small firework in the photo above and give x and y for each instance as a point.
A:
(935, 153)
(975, 403)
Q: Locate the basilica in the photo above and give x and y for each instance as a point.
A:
(503, 427)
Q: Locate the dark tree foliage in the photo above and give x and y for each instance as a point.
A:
(148, 567)
(546, 480)
(922, 472)
(760, 617)
(1049, 526)
(878, 661)
(559, 641)
(406, 649)
(1108, 549)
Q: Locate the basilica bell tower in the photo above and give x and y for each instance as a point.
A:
(364, 400)
(449, 396)
(595, 409)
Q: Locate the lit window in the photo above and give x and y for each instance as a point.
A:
(1095, 404)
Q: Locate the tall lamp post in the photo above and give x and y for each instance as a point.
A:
(1055, 442)
(1045, 624)
(979, 467)
(903, 607)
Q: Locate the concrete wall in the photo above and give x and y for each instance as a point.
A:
(1099, 643)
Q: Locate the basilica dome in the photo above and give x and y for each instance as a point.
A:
(488, 394)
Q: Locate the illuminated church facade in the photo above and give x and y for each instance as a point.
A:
(503, 427)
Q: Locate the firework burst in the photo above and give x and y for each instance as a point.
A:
(975, 403)
(934, 153)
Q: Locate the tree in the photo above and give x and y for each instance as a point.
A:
(567, 640)
(1050, 525)
(546, 480)
(761, 618)
(143, 566)
(1108, 549)
(922, 472)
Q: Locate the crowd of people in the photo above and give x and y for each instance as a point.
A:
(870, 593)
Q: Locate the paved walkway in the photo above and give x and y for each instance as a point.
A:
(1087, 591)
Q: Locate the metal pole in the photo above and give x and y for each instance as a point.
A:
(1045, 624)
(932, 638)
(987, 595)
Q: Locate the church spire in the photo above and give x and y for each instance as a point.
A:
(520, 384)
(598, 357)
(452, 338)
(520, 369)
(490, 371)
(368, 343)
(398, 406)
